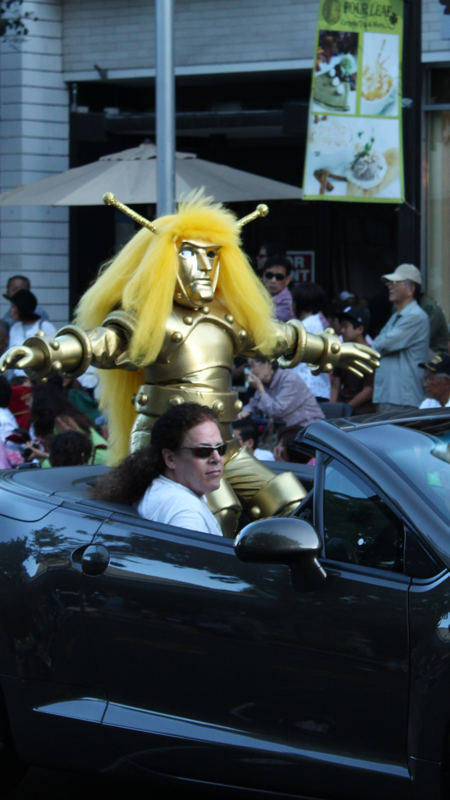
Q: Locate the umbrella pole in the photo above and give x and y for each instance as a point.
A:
(165, 107)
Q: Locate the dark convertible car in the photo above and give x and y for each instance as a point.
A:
(309, 657)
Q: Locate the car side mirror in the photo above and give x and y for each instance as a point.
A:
(284, 540)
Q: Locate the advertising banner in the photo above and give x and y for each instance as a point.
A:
(354, 145)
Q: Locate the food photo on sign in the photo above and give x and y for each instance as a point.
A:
(379, 79)
(352, 157)
(335, 73)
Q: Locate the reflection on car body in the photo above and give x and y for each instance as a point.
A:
(317, 643)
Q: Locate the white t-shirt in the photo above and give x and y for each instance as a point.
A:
(263, 455)
(19, 332)
(8, 423)
(174, 504)
(431, 402)
(320, 385)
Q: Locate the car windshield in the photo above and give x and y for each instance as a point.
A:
(422, 460)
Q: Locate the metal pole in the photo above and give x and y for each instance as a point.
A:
(165, 107)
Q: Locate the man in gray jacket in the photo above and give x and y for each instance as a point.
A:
(403, 344)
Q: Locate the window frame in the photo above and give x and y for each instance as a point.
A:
(319, 486)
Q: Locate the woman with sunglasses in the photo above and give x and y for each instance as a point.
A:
(168, 480)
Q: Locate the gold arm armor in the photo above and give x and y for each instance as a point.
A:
(68, 353)
(320, 351)
(72, 350)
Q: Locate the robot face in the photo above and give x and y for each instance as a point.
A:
(199, 270)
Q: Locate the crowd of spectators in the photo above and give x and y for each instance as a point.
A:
(60, 423)
(408, 328)
(46, 424)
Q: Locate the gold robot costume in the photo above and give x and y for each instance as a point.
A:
(163, 323)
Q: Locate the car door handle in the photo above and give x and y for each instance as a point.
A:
(95, 559)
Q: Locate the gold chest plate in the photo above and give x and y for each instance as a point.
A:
(199, 343)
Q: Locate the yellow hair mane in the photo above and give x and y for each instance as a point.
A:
(142, 279)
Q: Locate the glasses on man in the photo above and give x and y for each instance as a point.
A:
(277, 275)
(205, 451)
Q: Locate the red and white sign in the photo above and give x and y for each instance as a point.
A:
(302, 265)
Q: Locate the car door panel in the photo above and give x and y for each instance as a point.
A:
(40, 607)
(47, 664)
(211, 664)
(429, 722)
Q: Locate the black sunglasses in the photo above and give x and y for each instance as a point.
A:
(204, 451)
(277, 275)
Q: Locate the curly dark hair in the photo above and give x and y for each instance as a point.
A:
(128, 482)
(48, 403)
(69, 449)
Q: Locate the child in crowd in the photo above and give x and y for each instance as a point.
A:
(247, 433)
(70, 449)
(345, 386)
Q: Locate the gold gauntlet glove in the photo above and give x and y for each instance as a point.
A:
(69, 353)
(324, 351)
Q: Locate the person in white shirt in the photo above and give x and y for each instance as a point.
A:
(26, 322)
(436, 382)
(309, 301)
(247, 434)
(168, 480)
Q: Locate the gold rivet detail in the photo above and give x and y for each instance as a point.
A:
(335, 348)
(255, 511)
(40, 334)
(238, 405)
(54, 344)
(176, 401)
(328, 367)
(205, 309)
(188, 320)
(229, 318)
(219, 407)
(179, 296)
(57, 365)
(177, 336)
(242, 334)
(43, 380)
(142, 399)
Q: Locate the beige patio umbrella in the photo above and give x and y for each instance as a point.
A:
(131, 176)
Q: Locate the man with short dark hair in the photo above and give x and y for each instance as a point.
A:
(403, 344)
(276, 277)
(345, 386)
(247, 434)
(14, 285)
(436, 382)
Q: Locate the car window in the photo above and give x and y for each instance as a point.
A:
(359, 527)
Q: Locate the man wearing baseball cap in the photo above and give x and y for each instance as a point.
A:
(439, 334)
(436, 382)
(345, 387)
(403, 344)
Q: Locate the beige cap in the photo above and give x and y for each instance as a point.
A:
(405, 272)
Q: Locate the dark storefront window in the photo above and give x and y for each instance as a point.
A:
(438, 187)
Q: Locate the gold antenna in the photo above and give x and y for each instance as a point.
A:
(110, 199)
(261, 211)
